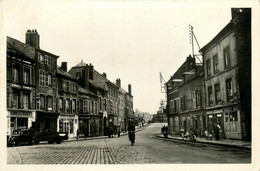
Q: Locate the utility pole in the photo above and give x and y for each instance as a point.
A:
(192, 36)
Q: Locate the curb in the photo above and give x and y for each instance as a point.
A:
(208, 143)
(102, 137)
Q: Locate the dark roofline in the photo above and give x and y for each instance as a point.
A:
(46, 52)
(222, 33)
(65, 74)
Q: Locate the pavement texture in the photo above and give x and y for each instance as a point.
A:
(150, 148)
(221, 142)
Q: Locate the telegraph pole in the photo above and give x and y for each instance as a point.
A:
(192, 36)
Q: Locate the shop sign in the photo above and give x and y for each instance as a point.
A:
(218, 115)
(21, 113)
(210, 116)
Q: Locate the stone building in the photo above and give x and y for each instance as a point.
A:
(227, 67)
(20, 77)
(45, 79)
(90, 114)
(67, 99)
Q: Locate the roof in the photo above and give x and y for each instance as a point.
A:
(220, 35)
(20, 48)
(100, 85)
(85, 91)
(65, 74)
(81, 64)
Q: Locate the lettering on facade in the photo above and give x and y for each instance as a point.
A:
(19, 113)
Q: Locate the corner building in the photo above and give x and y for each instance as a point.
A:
(227, 67)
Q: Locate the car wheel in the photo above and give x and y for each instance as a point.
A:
(50, 141)
(58, 141)
(14, 143)
(32, 142)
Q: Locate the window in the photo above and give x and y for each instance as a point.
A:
(215, 64)
(49, 103)
(73, 88)
(60, 104)
(42, 76)
(226, 54)
(16, 75)
(78, 74)
(217, 93)
(60, 84)
(208, 67)
(42, 102)
(67, 106)
(194, 99)
(46, 59)
(26, 77)
(26, 98)
(68, 86)
(73, 106)
(49, 80)
(229, 91)
(40, 57)
(16, 99)
(80, 105)
(100, 103)
(88, 106)
(84, 105)
(210, 95)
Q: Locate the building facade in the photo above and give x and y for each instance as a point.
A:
(67, 100)
(225, 68)
(21, 65)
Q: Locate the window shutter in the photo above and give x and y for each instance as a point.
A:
(53, 82)
(181, 99)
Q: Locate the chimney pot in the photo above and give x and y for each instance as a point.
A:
(64, 66)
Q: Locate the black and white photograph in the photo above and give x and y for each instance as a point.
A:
(145, 85)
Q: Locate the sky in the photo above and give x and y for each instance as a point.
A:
(126, 40)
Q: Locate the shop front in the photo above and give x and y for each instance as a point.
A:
(47, 121)
(215, 116)
(19, 119)
(90, 126)
(232, 122)
(69, 124)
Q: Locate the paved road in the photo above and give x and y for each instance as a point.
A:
(148, 149)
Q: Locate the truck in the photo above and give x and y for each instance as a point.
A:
(51, 136)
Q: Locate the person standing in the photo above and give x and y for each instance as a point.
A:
(77, 134)
(216, 130)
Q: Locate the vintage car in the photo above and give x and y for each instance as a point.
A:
(23, 136)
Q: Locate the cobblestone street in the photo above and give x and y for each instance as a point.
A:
(76, 152)
(147, 149)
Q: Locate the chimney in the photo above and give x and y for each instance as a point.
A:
(32, 38)
(86, 78)
(90, 70)
(118, 82)
(129, 89)
(64, 66)
(104, 75)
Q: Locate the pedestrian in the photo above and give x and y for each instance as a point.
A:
(206, 134)
(85, 133)
(216, 130)
(77, 134)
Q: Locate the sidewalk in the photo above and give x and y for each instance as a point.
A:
(221, 142)
(102, 137)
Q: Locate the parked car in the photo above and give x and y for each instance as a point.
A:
(23, 136)
(52, 137)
